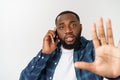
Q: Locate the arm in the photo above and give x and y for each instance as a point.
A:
(107, 56)
(34, 69)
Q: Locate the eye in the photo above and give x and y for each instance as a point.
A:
(61, 27)
(73, 25)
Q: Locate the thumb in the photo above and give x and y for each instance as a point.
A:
(119, 44)
(85, 66)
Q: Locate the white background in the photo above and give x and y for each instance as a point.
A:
(23, 24)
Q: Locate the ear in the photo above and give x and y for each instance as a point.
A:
(80, 28)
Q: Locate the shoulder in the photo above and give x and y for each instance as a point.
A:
(88, 49)
(86, 43)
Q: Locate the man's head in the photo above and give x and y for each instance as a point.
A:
(68, 29)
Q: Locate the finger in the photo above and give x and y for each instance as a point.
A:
(52, 32)
(119, 45)
(55, 28)
(95, 39)
(101, 31)
(85, 66)
(109, 32)
(49, 37)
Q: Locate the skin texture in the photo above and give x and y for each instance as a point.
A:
(107, 55)
(68, 29)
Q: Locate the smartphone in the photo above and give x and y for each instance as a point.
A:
(56, 35)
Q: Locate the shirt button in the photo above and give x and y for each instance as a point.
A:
(50, 78)
(55, 63)
(39, 56)
(42, 57)
(32, 67)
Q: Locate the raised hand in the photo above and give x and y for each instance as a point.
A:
(49, 43)
(107, 56)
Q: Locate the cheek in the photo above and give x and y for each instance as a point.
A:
(77, 32)
(61, 35)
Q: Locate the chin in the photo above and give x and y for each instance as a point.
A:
(70, 43)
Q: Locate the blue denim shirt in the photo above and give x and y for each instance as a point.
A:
(42, 67)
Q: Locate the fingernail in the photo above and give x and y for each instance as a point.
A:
(53, 40)
(75, 64)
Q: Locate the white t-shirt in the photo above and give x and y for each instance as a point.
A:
(65, 69)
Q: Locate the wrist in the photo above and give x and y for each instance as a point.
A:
(45, 52)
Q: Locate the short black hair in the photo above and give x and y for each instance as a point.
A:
(65, 12)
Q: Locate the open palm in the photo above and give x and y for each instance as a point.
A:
(107, 56)
(107, 61)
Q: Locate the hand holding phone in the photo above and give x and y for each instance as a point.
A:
(50, 41)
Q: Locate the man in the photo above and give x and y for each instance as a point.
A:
(61, 49)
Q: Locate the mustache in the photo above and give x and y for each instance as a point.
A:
(69, 35)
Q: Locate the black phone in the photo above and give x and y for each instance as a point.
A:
(56, 35)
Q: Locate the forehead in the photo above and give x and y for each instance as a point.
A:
(66, 17)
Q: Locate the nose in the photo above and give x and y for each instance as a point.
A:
(68, 30)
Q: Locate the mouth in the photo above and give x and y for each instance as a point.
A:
(70, 39)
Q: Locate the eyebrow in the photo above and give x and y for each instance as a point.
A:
(73, 21)
(70, 22)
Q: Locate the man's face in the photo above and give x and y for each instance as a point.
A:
(68, 30)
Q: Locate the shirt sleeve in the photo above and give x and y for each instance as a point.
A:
(35, 67)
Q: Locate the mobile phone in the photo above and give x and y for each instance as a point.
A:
(56, 36)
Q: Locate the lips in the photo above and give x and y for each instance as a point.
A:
(69, 38)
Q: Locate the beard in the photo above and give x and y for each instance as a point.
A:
(71, 45)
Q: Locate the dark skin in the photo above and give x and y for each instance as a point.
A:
(107, 58)
(68, 29)
(107, 55)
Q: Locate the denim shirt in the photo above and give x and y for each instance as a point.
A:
(42, 67)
